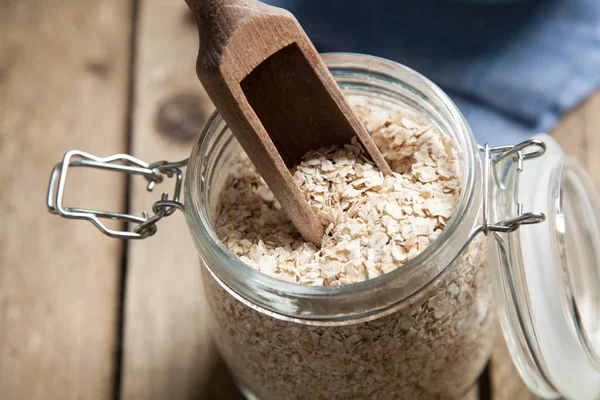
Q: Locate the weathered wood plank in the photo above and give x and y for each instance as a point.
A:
(168, 352)
(578, 135)
(64, 73)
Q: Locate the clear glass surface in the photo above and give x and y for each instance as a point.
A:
(423, 331)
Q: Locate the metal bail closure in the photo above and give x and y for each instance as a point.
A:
(493, 158)
(154, 173)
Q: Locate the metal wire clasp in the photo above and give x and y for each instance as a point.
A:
(154, 173)
(492, 156)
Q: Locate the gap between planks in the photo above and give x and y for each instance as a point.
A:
(62, 86)
(118, 378)
(167, 349)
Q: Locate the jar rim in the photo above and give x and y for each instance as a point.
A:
(299, 302)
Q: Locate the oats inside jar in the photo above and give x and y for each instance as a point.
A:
(431, 345)
(373, 223)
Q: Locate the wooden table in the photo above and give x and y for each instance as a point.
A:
(83, 316)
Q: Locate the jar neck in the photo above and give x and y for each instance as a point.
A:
(378, 80)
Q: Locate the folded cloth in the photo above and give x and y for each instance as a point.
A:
(512, 69)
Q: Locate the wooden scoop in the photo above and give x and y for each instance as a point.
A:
(274, 91)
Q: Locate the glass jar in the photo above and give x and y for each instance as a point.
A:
(424, 330)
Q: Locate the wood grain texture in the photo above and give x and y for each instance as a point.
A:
(273, 89)
(64, 68)
(168, 353)
(579, 135)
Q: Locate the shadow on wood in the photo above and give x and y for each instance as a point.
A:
(221, 385)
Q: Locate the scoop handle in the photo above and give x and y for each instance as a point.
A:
(217, 21)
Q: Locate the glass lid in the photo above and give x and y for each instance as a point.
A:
(547, 276)
(575, 213)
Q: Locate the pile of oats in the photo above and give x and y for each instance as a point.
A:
(434, 346)
(373, 224)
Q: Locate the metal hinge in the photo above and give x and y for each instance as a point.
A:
(492, 156)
